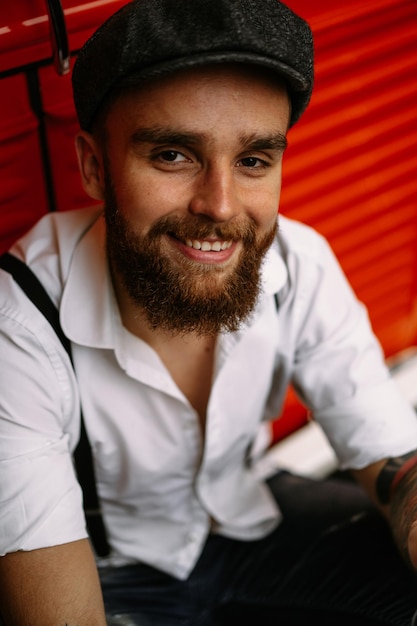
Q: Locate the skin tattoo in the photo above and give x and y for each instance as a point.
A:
(394, 486)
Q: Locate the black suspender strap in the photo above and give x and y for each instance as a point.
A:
(85, 471)
(83, 459)
(35, 291)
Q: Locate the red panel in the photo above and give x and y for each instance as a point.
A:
(350, 170)
(24, 36)
(24, 28)
(22, 192)
(61, 128)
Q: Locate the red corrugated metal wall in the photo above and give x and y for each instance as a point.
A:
(39, 172)
(351, 167)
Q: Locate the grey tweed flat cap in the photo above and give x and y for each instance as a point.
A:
(154, 37)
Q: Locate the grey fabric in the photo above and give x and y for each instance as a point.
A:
(152, 37)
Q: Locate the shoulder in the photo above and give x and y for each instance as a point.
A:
(308, 257)
(47, 249)
(49, 246)
(55, 234)
(302, 241)
(31, 357)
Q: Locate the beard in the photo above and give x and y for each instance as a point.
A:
(186, 297)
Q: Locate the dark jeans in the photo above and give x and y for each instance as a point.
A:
(331, 562)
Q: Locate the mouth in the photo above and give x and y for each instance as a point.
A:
(211, 251)
(207, 245)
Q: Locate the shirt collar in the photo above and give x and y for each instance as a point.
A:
(88, 308)
(274, 271)
(89, 311)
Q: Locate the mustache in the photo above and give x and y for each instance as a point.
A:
(203, 228)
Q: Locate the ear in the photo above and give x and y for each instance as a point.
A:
(90, 163)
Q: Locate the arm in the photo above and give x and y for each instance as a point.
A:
(392, 484)
(56, 586)
(41, 501)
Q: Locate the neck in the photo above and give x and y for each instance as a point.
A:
(188, 357)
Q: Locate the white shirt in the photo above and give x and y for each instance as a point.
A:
(158, 485)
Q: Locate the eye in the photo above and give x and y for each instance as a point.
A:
(171, 156)
(252, 162)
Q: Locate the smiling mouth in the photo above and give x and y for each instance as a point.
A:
(208, 246)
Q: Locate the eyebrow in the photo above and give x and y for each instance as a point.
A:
(254, 141)
(165, 135)
(273, 141)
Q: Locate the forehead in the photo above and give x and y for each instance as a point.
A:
(204, 96)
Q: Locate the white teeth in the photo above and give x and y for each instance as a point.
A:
(208, 246)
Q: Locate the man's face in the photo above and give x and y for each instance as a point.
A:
(192, 172)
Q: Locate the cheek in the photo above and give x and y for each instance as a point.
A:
(265, 206)
(143, 200)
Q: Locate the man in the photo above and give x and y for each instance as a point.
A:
(188, 313)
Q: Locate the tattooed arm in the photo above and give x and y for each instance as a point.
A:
(397, 485)
(392, 484)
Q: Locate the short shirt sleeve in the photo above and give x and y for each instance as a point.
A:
(339, 368)
(40, 498)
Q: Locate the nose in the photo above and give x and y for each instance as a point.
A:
(215, 194)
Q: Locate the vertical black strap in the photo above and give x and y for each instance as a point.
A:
(35, 291)
(276, 298)
(83, 458)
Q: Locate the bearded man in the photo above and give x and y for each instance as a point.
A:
(189, 308)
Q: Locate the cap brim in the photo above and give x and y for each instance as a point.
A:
(293, 78)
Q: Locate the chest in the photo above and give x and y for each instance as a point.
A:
(191, 368)
(153, 410)
(139, 393)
